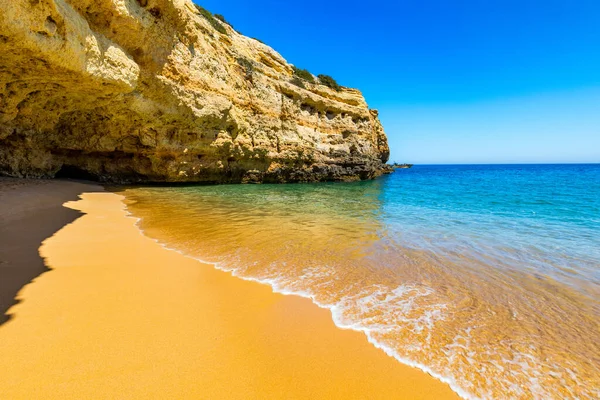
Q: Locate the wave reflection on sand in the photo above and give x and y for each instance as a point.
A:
(496, 296)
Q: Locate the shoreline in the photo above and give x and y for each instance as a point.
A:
(332, 312)
(119, 315)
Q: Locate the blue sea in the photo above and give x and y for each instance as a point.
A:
(485, 276)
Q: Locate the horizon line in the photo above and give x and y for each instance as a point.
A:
(509, 163)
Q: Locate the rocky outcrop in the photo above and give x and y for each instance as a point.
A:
(153, 90)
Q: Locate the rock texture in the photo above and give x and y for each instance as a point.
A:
(150, 91)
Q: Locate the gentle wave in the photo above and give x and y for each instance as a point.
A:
(488, 296)
(340, 319)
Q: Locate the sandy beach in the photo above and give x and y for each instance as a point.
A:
(117, 316)
(30, 212)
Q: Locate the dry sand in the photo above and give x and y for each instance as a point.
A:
(30, 211)
(120, 317)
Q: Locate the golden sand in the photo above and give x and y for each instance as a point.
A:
(120, 317)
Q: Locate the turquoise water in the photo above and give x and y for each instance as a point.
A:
(487, 277)
(531, 218)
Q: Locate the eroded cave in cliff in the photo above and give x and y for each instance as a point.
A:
(110, 91)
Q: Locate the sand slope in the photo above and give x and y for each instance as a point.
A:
(30, 212)
(120, 317)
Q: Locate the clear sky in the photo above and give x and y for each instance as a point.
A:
(463, 81)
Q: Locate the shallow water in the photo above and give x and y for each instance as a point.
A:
(488, 277)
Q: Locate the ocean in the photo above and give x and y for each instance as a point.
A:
(485, 276)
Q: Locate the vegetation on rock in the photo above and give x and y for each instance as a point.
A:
(298, 82)
(212, 20)
(169, 102)
(304, 74)
(329, 82)
(221, 18)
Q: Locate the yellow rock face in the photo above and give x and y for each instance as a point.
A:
(149, 90)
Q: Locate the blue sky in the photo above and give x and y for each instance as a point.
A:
(471, 81)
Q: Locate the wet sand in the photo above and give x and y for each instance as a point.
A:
(120, 317)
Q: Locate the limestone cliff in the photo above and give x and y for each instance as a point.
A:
(155, 90)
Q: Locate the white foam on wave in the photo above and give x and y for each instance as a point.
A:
(337, 309)
(354, 312)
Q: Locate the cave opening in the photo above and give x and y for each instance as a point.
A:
(73, 172)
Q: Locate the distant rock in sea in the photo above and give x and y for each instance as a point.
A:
(401, 166)
(164, 91)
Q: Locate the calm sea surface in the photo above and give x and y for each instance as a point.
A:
(487, 277)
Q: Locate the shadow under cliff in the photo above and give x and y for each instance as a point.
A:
(30, 212)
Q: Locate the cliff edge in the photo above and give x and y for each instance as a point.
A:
(162, 91)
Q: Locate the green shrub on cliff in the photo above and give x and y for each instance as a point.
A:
(304, 74)
(298, 82)
(211, 19)
(329, 82)
(221, 18)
